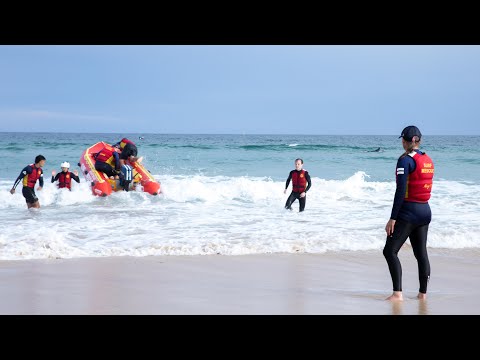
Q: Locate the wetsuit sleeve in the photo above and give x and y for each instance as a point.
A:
(26, 170)
(405, 165)
(307, 177)
(56, 177)
(288, 180)
(75, 177)
(117, 160)
(41, 179)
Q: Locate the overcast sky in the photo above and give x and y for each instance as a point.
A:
(237, 89)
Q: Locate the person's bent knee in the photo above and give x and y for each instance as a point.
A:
(388, 252)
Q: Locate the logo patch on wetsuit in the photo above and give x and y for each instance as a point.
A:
(400, 171)
(301, 175)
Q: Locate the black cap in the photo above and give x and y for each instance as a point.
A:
(409, 132)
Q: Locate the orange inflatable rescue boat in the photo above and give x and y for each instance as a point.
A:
(102, 185)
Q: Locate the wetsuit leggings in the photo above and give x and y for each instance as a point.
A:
(418, 239)
(293, 196)
(104, 167)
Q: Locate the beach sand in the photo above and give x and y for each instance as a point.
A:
(331, 283)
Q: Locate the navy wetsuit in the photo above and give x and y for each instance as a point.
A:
(107, 168)
(412, 220)
(28, 192)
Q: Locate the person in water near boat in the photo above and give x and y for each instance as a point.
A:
(29, 176)
(65, 177)
(129, 151)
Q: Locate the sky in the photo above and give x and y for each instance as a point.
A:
(241, 89)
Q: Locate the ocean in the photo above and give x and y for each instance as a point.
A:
(223, 194)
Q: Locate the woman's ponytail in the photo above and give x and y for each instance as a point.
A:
(412, 144)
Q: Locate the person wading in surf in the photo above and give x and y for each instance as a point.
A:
(300, 178)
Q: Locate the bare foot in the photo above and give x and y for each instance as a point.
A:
(421, 296)
(396, 296)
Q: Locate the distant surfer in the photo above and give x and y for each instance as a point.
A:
(29, 176)
(376, 150)
(300, 178)
(141, 138)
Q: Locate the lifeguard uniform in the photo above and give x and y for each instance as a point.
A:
(65, 179)
(29, 176)
(128, 148)
(414, 178)
(299, 179)
(107, 161)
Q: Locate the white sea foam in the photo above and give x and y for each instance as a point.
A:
(225, 215)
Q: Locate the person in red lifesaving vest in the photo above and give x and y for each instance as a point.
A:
(29, 176)
(129, 151)
(65, 177)
(300, 178)
(411, 212)
(107, 160)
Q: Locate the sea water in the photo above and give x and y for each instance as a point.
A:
(224, 194)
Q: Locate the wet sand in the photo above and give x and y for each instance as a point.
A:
(331, 283)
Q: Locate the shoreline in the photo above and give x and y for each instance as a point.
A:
(351, 282)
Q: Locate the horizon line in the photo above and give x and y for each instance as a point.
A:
(241, 134)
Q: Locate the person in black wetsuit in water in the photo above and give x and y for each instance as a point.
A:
(411, 212)
(300, 178)
(65, 177)
(29, 176)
